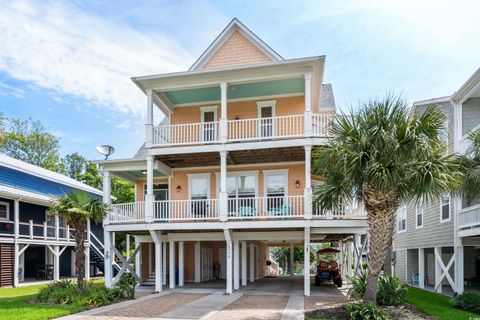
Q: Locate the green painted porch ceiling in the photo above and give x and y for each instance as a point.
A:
(237, 91)
(141, 175)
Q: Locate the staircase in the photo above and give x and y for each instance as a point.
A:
(97, 257)
(150, 280)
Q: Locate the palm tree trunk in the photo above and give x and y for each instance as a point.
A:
(80, 256)
(381, 221)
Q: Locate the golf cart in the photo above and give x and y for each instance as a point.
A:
(328, 269)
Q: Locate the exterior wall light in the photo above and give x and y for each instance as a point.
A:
(178, 188)
(297, 184)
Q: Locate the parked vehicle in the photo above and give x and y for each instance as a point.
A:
(328, 268)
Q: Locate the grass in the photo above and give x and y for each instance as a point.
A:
(14, 304)
(437, 305)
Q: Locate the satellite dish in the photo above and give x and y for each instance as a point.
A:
(106, 150)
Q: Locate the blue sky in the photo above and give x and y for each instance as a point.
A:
(69, 64)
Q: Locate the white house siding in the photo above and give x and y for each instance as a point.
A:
(400, 264)
(433, 233)
(470, 114)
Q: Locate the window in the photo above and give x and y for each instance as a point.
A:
(444, 208)
(402, 219)
(199, 191)
(276, 188)
(209, 126)
(241, 190)
(160, 191)
(4, 210)
(419, 214)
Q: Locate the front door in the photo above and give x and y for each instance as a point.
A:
(199, 189)
(209, 129)
(266, 121)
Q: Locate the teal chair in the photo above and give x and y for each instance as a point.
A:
(284, 210)
(247, 211)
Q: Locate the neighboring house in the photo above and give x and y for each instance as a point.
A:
(443, 235)
(227, 174)
(34, 246)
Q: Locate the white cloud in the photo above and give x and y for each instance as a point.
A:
(124, 125)
(63, 49)
(6, 89)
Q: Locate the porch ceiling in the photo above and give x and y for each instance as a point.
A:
(268, 155)
(237, 91)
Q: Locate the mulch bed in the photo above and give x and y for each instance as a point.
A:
(340, 313)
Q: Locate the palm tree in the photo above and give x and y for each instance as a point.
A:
(470, 162)
(384, 156)
(76, 207)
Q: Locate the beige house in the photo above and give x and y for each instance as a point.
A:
(227, 174)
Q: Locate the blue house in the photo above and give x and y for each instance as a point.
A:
(33, 246)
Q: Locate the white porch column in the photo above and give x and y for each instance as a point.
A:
(244, 263)
(149, 197)
(308, 183)
(108, 258)
(181, 263)
(356, 254)
(223, 115)
(229, 253)
(459, 269)
(421, 268)
(157, 239)
(56, 263)
(138, 259)
(198, 266)
(164, 263)
(349, 259)
(106, 187)
(149, 122)
(172, 264)
(87, 251)
(223, 213)
(306, 262)
(308, 104)
(16, 229)
(252, 262)
(438, 269)
(236, 265)
(57, 227)
(292, 252)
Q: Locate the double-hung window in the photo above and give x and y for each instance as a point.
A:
(242, 190)
(419, 214)
(402, 219)
(444, 208)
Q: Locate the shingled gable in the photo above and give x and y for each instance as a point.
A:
(235, 45)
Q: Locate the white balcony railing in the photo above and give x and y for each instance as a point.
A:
(345, 211)
(266, 207)
(124, 212)
(185, 210)
(469, 217)
(256, 129)
(321, 124)
(266, 128)
(189, 133)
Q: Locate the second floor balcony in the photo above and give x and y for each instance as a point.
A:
(243, 130)
(236, 209)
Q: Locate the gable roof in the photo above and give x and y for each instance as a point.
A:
(234, 25)
(21, 178)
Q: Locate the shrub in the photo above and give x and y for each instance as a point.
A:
(60, 292)
(469, 301)
(359, 311)
(126, 284)
(100, 296)
(391, 292)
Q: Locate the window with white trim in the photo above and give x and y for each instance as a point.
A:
(445, 208)
(4, 210)
(419, 214)
(402, 219)
(443, 132)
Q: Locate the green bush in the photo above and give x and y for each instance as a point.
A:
(469, 301)
(391, 292)
(126, 284)
(94, 294)
(359, 311)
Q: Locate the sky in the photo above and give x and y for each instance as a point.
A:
(69, 64)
